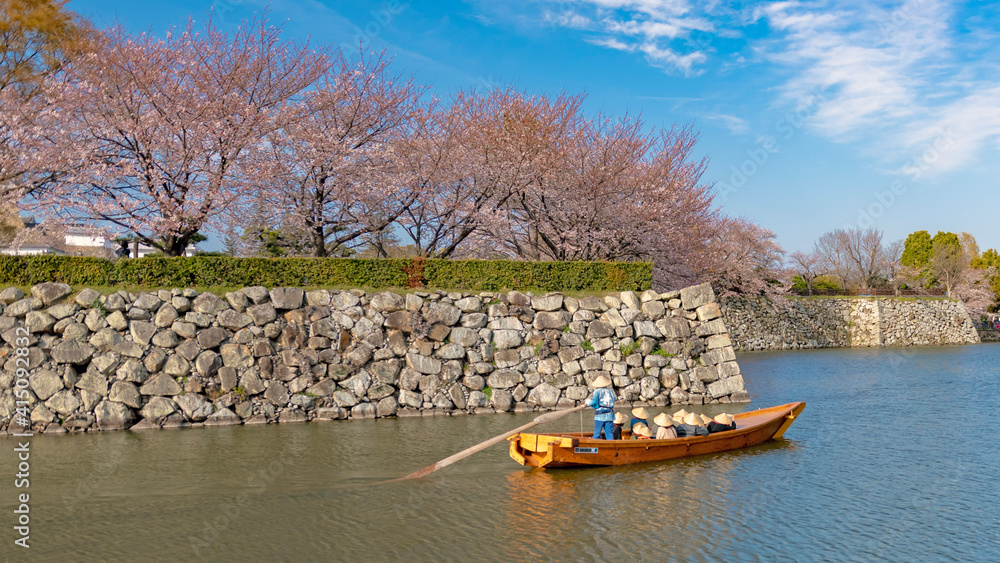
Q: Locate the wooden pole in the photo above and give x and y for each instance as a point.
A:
(541, 419)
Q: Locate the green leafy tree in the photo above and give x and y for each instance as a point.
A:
(37, 37)
(917, 250)
(943, 238)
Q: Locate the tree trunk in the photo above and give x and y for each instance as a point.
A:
(174, 246)
(319, 242)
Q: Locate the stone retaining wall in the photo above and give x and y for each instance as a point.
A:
(988, 335)
(174, 358)
(760, 324)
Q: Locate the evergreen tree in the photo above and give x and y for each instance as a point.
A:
(917, 250)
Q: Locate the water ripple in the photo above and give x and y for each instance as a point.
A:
(894, 459)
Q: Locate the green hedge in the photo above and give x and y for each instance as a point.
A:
(472, 275)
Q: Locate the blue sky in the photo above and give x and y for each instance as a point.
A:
(815, 115)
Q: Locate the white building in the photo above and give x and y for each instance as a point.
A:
(31, 250)
(81, 236)
(81, 240)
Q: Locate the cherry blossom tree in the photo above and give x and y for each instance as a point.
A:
(505, 174)
(743, 259)
(807, 266)
(27, 125)
(615, 192)
(166, 135)
(334, 171)
(975, 291)
(471, 158)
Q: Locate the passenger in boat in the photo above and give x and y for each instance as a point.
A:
(618, 423)
(639, 416)
(692, 426)
(603, 403)
(641, 432)
(665, 427)
(721, 423)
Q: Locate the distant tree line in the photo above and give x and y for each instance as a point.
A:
(859, 259)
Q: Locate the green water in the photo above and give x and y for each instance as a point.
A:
(893, 459)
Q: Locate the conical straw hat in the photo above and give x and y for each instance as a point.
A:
(692, 419)
(620, 418)
(640, 412)
(723, 419)
(681, 413)
(663, 420)
(601, 381)
(704, 420)
(642, 430)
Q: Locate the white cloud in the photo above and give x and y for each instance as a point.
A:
(888, 76)
(569, 18)
(736, 125)
(660, 29)
(897, 79)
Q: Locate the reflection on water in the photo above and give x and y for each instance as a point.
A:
(890, 461)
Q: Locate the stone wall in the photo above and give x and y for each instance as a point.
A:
(174, 358)
(762, 324)
(988, 335)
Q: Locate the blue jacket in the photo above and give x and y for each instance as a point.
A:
(606, 396)
(634, 421)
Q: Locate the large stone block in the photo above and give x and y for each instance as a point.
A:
(50, 292)
(719, 341)
(696, 296)
(423, 364)
(504, 379)
(94, 383)
(727, 386)
(125, 393)
(505, 339)
(45, 383)
(72, 352)
(646, 328)
(443, 314)
(674, 328)
(158, 408)
(550, 302)
(708, 311)
(287, 297)
(387, 302)
(160, 384)
(552, 320)
(544, 395)
(194, 407)
(716, 326)
(113, 416)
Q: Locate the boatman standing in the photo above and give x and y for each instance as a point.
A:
(603, 401)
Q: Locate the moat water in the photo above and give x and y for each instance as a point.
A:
(895, 458)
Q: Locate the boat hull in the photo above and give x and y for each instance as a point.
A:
(581, 450)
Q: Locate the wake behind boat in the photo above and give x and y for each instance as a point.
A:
(579, 450)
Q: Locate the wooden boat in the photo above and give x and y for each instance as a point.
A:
(578, 450)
